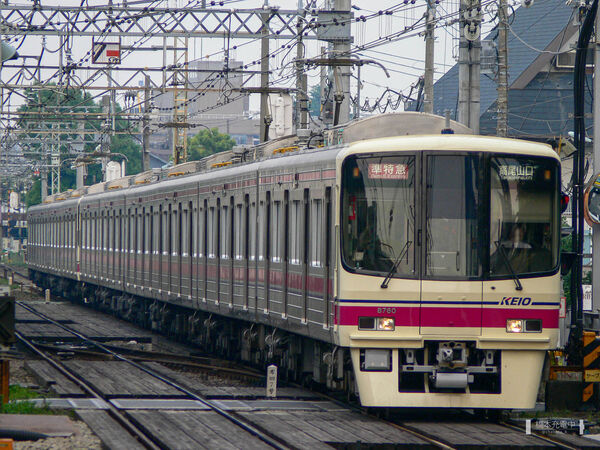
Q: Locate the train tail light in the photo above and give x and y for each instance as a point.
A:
(377, 323)
(523, 326)
(386, 324)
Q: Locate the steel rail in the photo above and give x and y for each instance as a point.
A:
(546, 438)
(208, 403)
(112, 410)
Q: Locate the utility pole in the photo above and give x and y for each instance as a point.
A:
(358, 88)
(180, 101)
(469, 53)
(146, 126)
(105, 138)
(323, 85)
(341, 49)
(596, 228)
(502, 103)
(301, 100)
(265, 116)
(429, 57)
(44, 180)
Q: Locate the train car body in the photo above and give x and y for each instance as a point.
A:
(419, 270)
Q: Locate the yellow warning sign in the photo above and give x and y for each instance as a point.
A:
(592, 375)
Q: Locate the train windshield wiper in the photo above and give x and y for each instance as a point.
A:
(506, 259)
(388, 277)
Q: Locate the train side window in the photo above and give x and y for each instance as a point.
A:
(191, 232)
(276, 237)
(252, 231)
(161, 230)
(201, 228)
(238, 232)
(145, 231)
(316, 234)
(210, 232)
(169, 231)
(94, 217)
(150, 234)
(180, 231)
(224, 233)
(183, 235)
(105, 235)
(261, 230)
(294, 232)
(120, 231)
(139, 231)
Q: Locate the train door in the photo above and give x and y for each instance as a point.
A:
(297, 255)
(188, 250)
(451, 287)
(240, 258)
(201, 266)
(212, 251)
(316, 299)
(263, 248)
(276, 273)
(180, 246)
(251, 250)
(225, 252)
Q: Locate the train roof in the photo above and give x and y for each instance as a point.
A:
(395, 131)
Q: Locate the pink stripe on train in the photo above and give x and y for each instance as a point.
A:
(414, 316)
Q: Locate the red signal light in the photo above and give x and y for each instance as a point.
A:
(564, 202)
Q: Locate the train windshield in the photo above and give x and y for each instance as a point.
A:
(478, 215)
(523, 215)
(453, 189)
(379, 211)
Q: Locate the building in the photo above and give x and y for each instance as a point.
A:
(214, 86)
(541, 41)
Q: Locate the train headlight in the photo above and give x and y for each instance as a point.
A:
(386, 323)
(514, 326)
(375, 360)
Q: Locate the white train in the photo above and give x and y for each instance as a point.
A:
(414, 268)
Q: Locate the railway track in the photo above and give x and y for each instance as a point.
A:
(420, 430)
(115, 412)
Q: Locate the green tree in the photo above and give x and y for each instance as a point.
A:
(50, 109)
(208, 142)
(34, 194)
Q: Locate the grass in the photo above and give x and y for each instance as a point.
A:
(14, 259)
(25, 408)
(17, 392)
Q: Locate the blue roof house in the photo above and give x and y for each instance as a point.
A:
(541, 42)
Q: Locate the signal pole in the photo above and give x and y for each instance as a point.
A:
(341, 49)
(265, 116)
(596, 228)
(469, 54)
(502, 103)
(429, 57)
(146, 126)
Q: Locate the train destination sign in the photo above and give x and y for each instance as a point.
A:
(388, 171)
(516, 172)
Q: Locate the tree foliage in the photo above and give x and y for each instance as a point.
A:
(50, 109)
(208, 142)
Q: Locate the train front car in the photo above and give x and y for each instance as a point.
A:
(448, 283)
